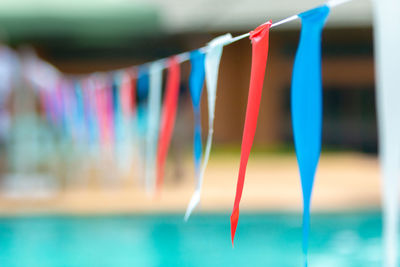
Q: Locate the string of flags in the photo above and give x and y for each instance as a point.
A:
(125, 109)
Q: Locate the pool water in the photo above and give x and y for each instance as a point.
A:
(337, 240)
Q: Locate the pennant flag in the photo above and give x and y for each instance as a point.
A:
(91, 120)
(128, 94)
(115, 92)
(111, 108)
(79, 112)
(100, 113)
(117, 107)
(196, 83)
(212, 59)
(104, 111)
(140, 120)
(61, 109)
(126, 143)
(73, 109)
(387, 43)
(9, 68)
(47, 97)
(306, 98)
(168, 117)
(58, 105)
(259, 40)
(143, 83)
(153, 121)
(121, 146)
(67, 106)
(45, 105)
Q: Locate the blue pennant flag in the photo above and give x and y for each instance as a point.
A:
(306, 97)
(196, 83)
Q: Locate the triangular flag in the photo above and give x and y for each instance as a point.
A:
(79, 112)
(128, 93)
(259, 40)
(196, 84)
(306, 101)
(212, 60)
(153, 122)
(140, 122)
(168, 117)
(89, 112)
(126, 124)
(143, 87)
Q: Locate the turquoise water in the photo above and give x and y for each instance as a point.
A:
(338, 240)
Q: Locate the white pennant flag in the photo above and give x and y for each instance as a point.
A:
(9, 68)
(212, 60)
(153, 122)
(387, 55)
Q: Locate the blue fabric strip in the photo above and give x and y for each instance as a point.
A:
(196, 83)
(307, 106)
(142, 94)
(142, 83)
(79, 112)
(117, 112)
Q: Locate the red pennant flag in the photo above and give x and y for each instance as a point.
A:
(170, 106)
(128, 93)
(259, 40)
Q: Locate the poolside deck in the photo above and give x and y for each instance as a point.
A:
(344, 181)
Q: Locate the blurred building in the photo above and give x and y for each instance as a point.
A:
(86, 36)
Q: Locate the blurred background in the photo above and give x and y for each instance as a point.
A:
(61, 205)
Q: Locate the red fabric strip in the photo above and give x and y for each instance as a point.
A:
(259, 40)
(109, 114)
(168, 115)
(105, 112)
(128, 94)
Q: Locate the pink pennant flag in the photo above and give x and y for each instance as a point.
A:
(103, 98)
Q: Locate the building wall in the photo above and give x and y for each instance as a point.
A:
(348, 79)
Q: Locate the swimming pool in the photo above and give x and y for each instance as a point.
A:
(344, 240)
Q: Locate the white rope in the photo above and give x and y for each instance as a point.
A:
(332, 3)
(185, 56)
